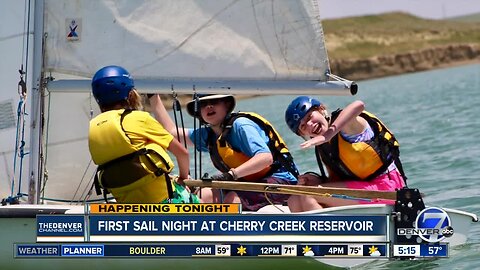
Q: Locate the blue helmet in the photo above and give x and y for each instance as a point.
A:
(111, 84)
(297, 110)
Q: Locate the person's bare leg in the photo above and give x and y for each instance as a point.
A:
(232, 197)
(309, 203)
(208, 195)
(294, 204)
(302, 203)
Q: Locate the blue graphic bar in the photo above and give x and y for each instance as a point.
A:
(36, 250)
(436, 250)
(200, 250)
(83, 250)
(183, 225)
(60, 225)
(421, 250)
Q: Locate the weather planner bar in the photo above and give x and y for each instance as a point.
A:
(201, 250)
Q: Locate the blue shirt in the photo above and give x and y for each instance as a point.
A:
(246, 137)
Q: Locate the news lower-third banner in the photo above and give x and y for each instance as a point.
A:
(207, 228)
(163, 209)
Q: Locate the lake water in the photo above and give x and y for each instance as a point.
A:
(436, 117)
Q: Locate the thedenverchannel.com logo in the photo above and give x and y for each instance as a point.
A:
(432, 225)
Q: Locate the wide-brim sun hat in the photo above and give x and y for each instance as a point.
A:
(201, 98)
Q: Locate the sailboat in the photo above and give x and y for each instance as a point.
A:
(241, 47)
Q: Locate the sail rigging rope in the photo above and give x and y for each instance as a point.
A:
(196, 139)
(45, 173)
(271, 202)
(19, 152)
(88, 189)
(71, 201)
(177, 107)
(338, 78)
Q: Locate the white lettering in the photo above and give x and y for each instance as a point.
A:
(341, 225)
(287, 225)
(242, 225)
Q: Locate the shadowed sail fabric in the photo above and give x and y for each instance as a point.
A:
(240, 47)
(247, 46)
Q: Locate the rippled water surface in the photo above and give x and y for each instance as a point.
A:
(436, 117)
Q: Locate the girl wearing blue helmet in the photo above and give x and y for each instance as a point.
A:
(130, 146)
(357, 149)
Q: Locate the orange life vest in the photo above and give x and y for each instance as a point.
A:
(224, 157)
(361, 160)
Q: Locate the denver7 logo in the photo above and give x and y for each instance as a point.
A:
(434, 224)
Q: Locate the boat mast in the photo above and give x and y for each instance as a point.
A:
(35, 161)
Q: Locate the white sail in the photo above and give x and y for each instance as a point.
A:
(245, 45)
(235, 46)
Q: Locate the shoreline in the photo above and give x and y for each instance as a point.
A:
(388, 65)
(384, 66)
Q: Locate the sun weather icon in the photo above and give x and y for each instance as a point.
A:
(307, 251)
(241, 250)
(373, 251)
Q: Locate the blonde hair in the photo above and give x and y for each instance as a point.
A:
(134, 101)
(323, 110)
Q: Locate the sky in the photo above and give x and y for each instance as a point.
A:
(430, 9)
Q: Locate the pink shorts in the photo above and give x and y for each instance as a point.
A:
(387, 182)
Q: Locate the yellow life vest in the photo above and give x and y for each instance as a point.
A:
(224, 157)
(120, 163)
(361, 160)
